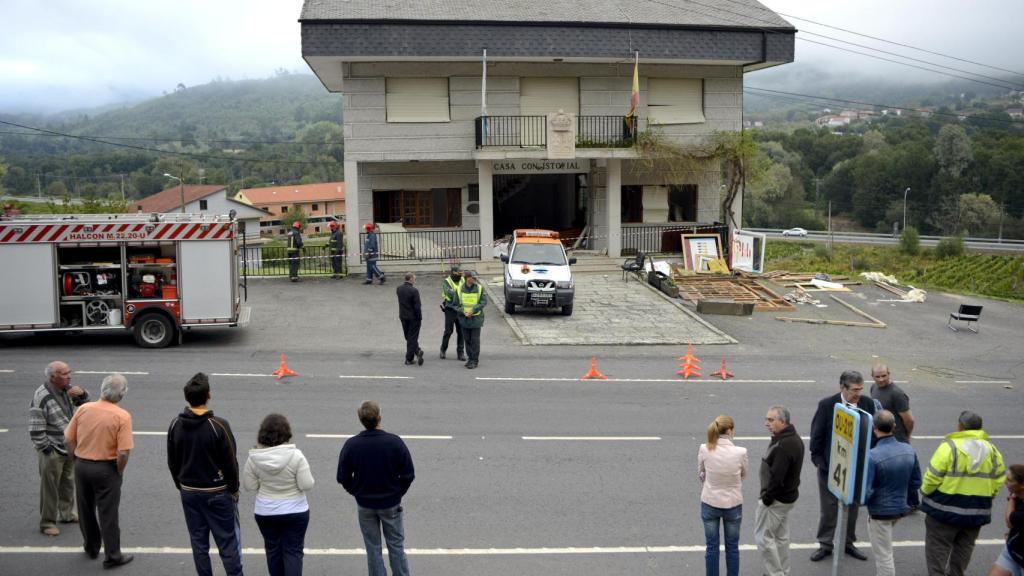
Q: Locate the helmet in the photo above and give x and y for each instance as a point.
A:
(369, 227)
(296, 225)
(333, 225)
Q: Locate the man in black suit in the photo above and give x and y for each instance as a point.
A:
(411, 315)
(851, 386)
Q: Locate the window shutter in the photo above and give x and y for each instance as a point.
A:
(417, 100)
(675, 101)
(541, 96)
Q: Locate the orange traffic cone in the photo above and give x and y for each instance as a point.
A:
(723, 372)
(283, 370)
(690, 364)
(689, 357)
(593, 374)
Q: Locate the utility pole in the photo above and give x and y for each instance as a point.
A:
(830, 239)
(905, 192)
(39, 187)
(122, 187)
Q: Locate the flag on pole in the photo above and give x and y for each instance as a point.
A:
(634, 98)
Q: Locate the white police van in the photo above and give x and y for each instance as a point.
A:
(537, 272)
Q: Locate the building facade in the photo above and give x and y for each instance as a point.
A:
(470, 115)
(203, 199)
(320, 202)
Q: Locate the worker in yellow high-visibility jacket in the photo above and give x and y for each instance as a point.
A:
(964, 475)
(472, 301)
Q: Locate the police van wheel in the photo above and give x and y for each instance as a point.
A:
(153, 331)
(510, 308)
(567, 310)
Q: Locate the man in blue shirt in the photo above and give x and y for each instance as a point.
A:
(892, 472)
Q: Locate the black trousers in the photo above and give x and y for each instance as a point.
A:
(293, 263)
(451, 323)
(472, 343)
(411, 328)
(98, 488)
(336, 261)
(283, 538)
(830, 515)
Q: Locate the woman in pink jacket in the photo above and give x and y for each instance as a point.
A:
(721, 467)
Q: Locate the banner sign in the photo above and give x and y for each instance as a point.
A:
(747, 252)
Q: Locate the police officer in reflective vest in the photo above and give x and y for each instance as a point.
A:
(294, 245)
(452, 311)
(334, 244)
(472, 301)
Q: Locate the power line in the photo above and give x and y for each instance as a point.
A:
(182, 140)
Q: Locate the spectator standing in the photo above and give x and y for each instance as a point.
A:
(280, 475)
(472, 301)
(99, 436)
(721, 467)
(964, 475)
(780, 483)
(201, 456)
(52, 407)
(851, 388)
(892, 473)
(411, 314)
(1011, 560)
(335, 245)
(371, 251)
(294, 248)
(375, 466)
(450, 306)
(892, 398)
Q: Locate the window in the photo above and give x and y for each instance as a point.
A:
(202, 205)
(675, 101)
(284, 209)
(632, 204)
(439, 207)
(417, 99)
(316, 228)
(315, 207)
(682, 203)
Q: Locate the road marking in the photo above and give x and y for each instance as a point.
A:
(677, 380)
(983, 381)
(3, 430)
(148, 433)
(126, 373)
(6, 371)
(597, 438)
(990, 437)
(243, 375)
(572, 550)
(350, 377)
(402, 436)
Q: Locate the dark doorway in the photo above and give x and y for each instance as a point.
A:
(548, 201)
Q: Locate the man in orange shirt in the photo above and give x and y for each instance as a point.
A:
(100, 438)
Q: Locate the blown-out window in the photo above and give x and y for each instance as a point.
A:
(675, 101)
(437, 208)
(417, 100)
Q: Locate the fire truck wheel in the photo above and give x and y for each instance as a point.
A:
(153, 330)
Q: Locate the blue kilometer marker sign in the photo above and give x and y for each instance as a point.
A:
(847, 465)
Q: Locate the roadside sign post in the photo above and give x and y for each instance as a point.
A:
(847, 466)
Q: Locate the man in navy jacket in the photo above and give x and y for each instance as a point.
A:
(892, 472)
(375, 466)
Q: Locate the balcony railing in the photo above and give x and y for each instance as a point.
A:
(531, 132)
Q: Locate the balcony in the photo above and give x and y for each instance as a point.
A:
(531, 132)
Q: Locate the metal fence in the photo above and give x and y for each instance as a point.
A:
(531, 131)
(273, 261)
(667, 238)
(426, 245)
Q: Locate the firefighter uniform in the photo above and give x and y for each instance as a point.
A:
(294, 245)
(335, 246)
(472, 300)
(452, 311)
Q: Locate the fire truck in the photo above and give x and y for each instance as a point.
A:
(155, 275)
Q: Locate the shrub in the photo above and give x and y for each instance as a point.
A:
(821, 252)
(910, 241)
(950, 247)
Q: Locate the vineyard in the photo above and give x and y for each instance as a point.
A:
(996, 276)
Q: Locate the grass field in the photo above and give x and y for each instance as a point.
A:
(991, 275)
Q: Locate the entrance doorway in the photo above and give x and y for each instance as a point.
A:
(548, 201)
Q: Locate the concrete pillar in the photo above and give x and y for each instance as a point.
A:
(353, 224)
(613, 207)
(485, 173)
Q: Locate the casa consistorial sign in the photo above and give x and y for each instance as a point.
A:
(574, 166)
(561, 136)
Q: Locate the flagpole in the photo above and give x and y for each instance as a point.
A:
(483, 99)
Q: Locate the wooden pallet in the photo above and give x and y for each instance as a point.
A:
(737, 289)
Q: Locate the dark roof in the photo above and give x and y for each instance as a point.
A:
(169, 200)
(673, 14)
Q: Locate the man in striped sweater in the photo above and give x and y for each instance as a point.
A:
(52, 407)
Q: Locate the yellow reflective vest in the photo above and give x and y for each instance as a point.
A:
(964, 475)
(448, 295)
(469, 300)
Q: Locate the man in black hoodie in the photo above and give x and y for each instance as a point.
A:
(204, 466)
(375, 466)
(780, 483)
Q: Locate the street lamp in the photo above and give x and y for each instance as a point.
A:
(905, 192)
(183, 192)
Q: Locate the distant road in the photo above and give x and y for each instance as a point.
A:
(37, 199)
(977, 244)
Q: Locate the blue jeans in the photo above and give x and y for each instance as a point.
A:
(388, 520)
(283, 538)
(372, 271)
(730, 519)
(216, 513)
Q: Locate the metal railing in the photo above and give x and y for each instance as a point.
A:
(426, 245)
(531, 132)
(667, 238)
(273, 261)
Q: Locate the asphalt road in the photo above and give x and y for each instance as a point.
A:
(606, 481)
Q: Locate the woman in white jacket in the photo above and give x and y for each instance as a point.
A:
(279, 473)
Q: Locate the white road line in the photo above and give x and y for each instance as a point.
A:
(148, 433)
(596, 438)
(357, 377)
(3, 430)
(6, 371)
(572, 550)
(126, 373)
(243, 375)
(983, 381)
(991, 437)
(677, 380)
(402, 436)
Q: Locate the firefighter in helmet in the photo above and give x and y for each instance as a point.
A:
(334, 244)
(294, 245)
(371, 251)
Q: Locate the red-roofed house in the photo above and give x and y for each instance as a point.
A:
(321, 203)
(203, 199)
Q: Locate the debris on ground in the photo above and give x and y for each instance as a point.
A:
(891, 285)
(872, 323)
(739, 288)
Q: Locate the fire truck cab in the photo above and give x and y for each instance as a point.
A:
(153, 274)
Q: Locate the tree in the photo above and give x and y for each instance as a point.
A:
(953, 150)
(874, 141)
(979, 214)
(296, 214)
(3, 174)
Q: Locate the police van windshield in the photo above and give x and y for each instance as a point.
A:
(550, 254)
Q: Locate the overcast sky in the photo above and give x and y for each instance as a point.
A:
(65, 54)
